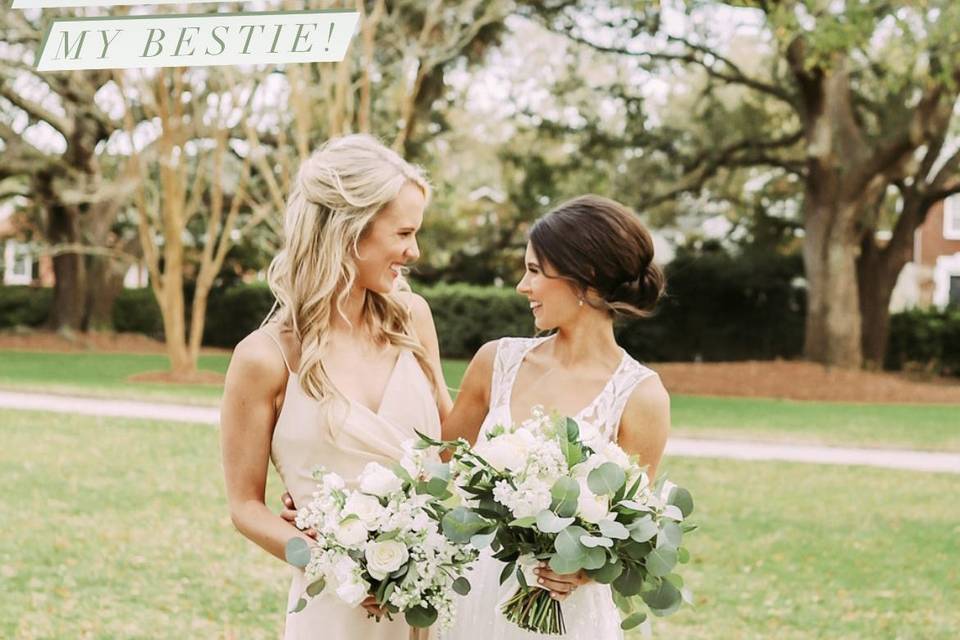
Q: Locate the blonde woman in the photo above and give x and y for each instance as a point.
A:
(347, 365)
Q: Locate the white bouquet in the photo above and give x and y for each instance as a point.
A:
(552, 493)
(383, 540)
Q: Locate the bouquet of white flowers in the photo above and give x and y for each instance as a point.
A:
(550, 496)
(383, 539)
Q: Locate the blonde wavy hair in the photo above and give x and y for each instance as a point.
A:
(339, 191)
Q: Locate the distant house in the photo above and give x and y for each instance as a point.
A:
(932, 278)
(21, 266)
(18, 265)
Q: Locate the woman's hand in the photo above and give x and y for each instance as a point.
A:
(289, 513)
(560, 585)
(373, 609)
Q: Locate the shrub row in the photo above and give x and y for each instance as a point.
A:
(718, 308)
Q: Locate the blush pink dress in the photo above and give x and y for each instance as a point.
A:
(304, 437)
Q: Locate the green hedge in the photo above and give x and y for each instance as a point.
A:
(467, 316)
(137, 311)
(928, 340)
(234, 312)
(24, 306)
(718, 308)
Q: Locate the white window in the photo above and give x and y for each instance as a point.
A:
(17, 264)
(951, 217)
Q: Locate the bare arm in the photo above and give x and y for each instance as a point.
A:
(255, 378)
(644, 426)
(473, 400)
(645, 423)
(427, 335)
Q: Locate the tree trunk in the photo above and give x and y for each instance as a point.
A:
(876, 289)
(833, 313)
(69, 269)
(105, 277)
(877, 273)
(174, 328)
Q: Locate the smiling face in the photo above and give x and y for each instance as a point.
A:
(390, 242)
(553, 300)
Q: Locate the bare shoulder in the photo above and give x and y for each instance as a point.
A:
(649, 398)
(485, 355)
(257, 362)
(480, 370)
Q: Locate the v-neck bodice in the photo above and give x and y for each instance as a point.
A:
(346, 435)
(599, 419)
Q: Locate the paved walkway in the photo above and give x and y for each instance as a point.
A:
(684, 447)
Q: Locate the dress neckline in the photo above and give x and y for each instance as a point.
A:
(386, 388)
(535, 343)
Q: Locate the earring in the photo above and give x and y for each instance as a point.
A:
(581, 302)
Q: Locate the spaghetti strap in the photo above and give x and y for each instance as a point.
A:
(283, 354)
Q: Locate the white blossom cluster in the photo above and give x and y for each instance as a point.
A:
(382, 531)
(530, 455)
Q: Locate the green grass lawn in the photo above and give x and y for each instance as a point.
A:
(118, 529)
(933, 427)
(918, 426)
(103, 374)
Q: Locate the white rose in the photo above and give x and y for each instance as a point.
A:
(377, 480)
(332, 481)
(613, 453)
(353, 592)
(367, 508)
(344, 567)
(385, 557)
(591, 507)
(509, 451)
(350, 532)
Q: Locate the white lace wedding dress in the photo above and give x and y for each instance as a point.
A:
(589, 612)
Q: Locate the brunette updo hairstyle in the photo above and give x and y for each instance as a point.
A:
(597, 243)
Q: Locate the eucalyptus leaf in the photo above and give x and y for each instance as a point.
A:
(608, 572)
(437, 487)
(683, 556)
(460, 524)
(613, 529)
(316, 587)
(507, 570)
(420, 617)
(549, 522)
(670, 535)
(606, 479)
(297, 608)
(661, 561)
(573, 430)
(482, 540)
(643, 529)
(461, 585)
(633, 620)
(565, 493)
(565, 565)
(595, 558)
(400, 472)
(437, 469)
(682, 499)
(297, 552)
(663, 600)
(630, 580)
(524, 523)
(567, 541)
(592, 542)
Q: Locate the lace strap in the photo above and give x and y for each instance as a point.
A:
(624, 382)
(506, 364)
